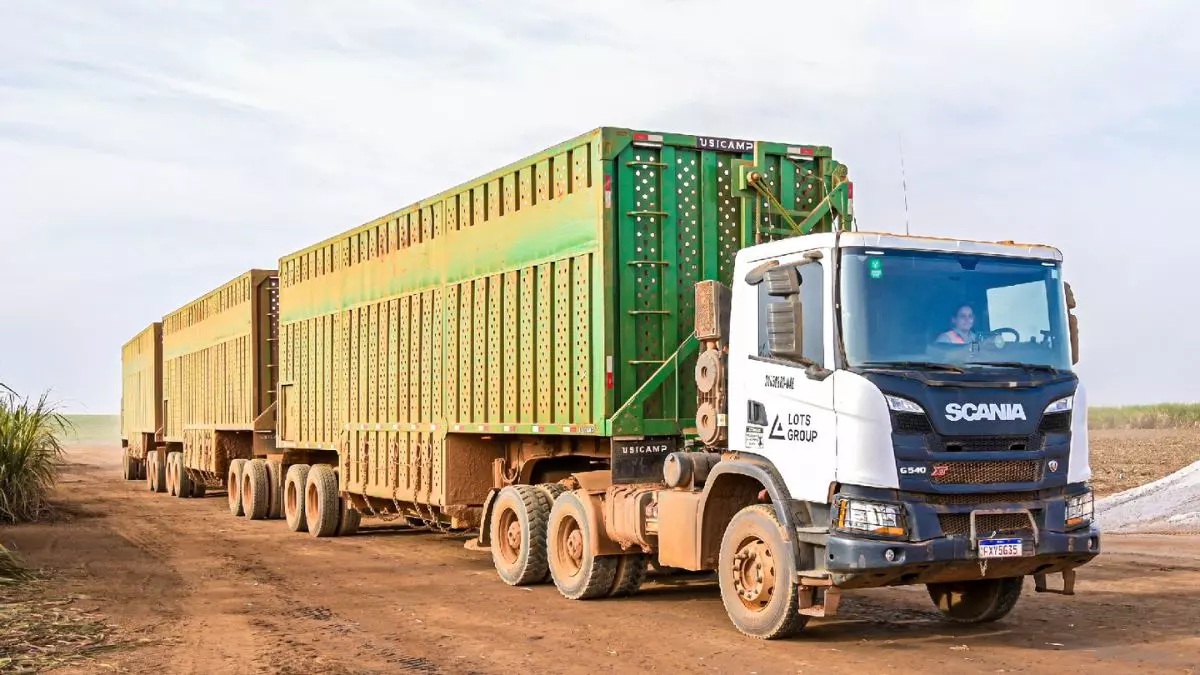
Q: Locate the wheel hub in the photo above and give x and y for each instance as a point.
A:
(575, 546)
(514, 534)
(754, 574)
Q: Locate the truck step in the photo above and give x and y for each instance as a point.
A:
(1039, 584)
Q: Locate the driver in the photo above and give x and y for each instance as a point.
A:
(962, 322)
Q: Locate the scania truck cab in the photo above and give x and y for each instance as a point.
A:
(874, 410)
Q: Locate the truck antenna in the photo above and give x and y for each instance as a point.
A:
(903, 181)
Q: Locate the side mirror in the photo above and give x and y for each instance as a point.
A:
(785, 334)
(782, 281)
(1072, 324)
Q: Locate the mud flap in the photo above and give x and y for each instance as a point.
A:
(809, 587)
(1039, 584)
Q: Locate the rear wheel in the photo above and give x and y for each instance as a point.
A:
(198, 489)
(294, 486)
(274, 488)
(255, 490)
(577, 571)
(978, 600)
(348, 519)
(630, 573)
(321, 504)
(519, 518)
(172, 489)
(150, 472)
(127, 472)
(757, 575)
(232, 482)
(158, 472)
(182, 481)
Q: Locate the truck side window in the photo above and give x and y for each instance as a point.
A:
(812, 294)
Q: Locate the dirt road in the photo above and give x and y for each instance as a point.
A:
(196, 591)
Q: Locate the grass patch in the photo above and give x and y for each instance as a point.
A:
(31, 453)
(39, 633)
(94, 429)
(1158, 416)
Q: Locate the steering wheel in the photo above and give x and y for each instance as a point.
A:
(1000, 331)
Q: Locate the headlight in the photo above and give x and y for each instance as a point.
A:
(903, 405)
(1080, 509)
(871, 517)
(1061, 405)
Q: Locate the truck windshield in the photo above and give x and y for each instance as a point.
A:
(908, 308)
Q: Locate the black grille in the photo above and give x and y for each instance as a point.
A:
(910, 423)
(977, 499)
(990, 443)
(1055, 423)
(985, 524)
(984, 472)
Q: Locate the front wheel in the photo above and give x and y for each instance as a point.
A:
(976, 601)
(757, 576)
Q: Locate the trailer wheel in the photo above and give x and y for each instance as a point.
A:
(255, 492)
(150, 472)
(126, 465)
(199, 489)
(321, 506)
(518, 526)
(179, 477)
(577, 571)
(233, 480)
(631, 572)
(978, 600)
(171, 487)
(293, 497)
(158, 473)
(274, 488)
(757, 575)
(348, 519)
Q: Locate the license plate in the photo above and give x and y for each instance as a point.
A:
(1000, 548)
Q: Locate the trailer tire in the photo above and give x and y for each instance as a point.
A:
(159, 483)
(255, 491)
(126, 465)
(233, 482)
(757, 575)
(274, 489)
(199, 489)
(978, 600)
(321, 507)
(180, 478)
(578, 573)
(519, 519)
(171, 489)
(150, 472)
(294, 486)
(630, 574)
(348, 518)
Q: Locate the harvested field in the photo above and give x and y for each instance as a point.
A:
(1126, 458)
(193, 590)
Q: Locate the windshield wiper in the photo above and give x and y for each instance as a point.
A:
(1015, 364)
(931, 365)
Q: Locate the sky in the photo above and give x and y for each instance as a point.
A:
(150, 151)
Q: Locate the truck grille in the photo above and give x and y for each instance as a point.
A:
(910, 423)
(977, 499)
(985, 524)
(990, 443)
(988, 473)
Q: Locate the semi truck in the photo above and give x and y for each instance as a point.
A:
(637, 349)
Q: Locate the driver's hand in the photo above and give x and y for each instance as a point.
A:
(997, 342)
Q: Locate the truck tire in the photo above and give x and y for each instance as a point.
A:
(577, 571)
(757, 575)
(233, 481)
(274, 489)
(127, 471)
(294, 485)
(348, 518)
(321, 507)
(150, 472)
(180, 478)
(255, 490)
(199, 489)
(630, 573)
(171, 488)
(519, 518)
(159, 473)
(978, 600)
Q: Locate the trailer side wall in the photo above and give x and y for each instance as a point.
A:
(141, 390)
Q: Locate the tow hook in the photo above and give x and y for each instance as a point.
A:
(1039, 584)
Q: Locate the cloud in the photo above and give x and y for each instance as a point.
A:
(148, 151)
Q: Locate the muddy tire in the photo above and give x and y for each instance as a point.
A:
(630, 573)
(321, 503)
(171, 488)
(198, 490)
(180, 478)
(978, 600)
(233, 481)
(519, 518)
(159, 473)
(274, 489)
(150, 472)
(127, 472)
(578, 573)
(757, 576)
(294, 485)
(256, 494)
(348, 519)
